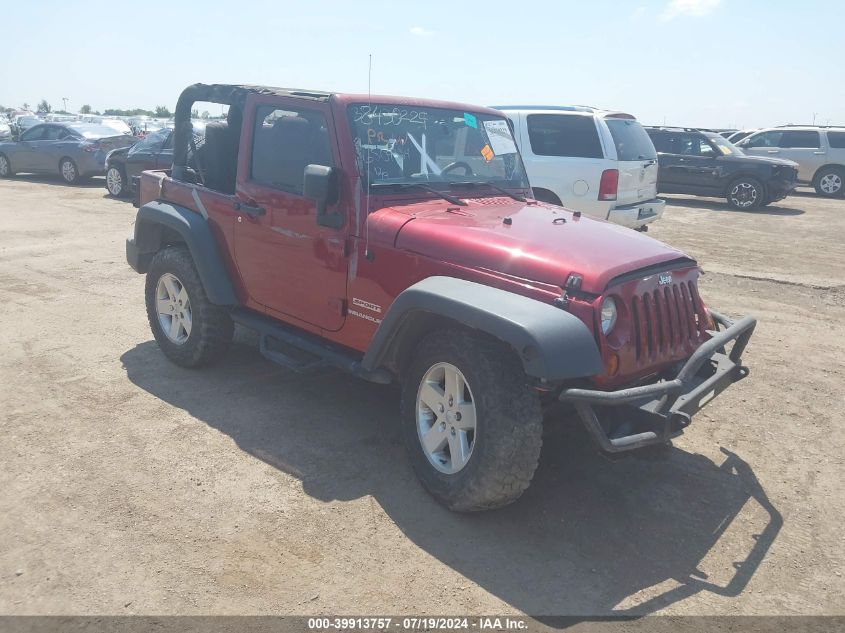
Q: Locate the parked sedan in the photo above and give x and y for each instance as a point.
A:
(705, 164)
(73, 150)
(154, 151)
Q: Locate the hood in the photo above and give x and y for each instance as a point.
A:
(537, 242)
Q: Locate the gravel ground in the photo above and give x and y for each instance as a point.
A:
(129, 485)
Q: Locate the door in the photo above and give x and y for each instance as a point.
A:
(24, 158)
(288, 263)
(804, 147)
(164, 157)
(688, 164)
(763, 144)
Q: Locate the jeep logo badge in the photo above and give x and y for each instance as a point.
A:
(664, 279)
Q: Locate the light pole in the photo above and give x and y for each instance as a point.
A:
(64, 99)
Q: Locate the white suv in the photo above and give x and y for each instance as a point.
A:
(597, 162)
(819, 152)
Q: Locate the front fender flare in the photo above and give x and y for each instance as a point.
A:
(157, 219)
(551, 343)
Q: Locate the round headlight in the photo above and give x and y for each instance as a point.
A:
(608, 315)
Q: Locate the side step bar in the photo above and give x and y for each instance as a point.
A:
(319, 354)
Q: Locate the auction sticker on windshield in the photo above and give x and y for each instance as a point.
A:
(500, 137)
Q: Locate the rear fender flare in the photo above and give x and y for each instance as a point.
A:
(159, 223)
(551, 343)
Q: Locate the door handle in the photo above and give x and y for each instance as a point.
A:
(819, 153)
(253, 212)
(774, 151)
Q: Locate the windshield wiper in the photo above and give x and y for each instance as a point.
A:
(471, 183)
(420, 185)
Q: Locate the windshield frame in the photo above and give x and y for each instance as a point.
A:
(419, 115)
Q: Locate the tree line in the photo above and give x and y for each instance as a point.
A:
(160, 112)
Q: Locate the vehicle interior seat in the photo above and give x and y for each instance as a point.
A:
(218, 156)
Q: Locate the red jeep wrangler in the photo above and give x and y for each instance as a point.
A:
(397, 239)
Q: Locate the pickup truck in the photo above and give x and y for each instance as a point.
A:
(398, 239)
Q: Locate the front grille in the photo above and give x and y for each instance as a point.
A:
(667, 320)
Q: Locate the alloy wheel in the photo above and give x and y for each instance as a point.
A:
(114, 181)
(68, 171)
(4, 166)
(174, 308)
(831, 184)
(744, 195)
(446, 418)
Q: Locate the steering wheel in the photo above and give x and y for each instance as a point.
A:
(458, 164)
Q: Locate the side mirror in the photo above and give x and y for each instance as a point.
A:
(320, 185)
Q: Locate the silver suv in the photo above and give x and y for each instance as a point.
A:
(819, 152)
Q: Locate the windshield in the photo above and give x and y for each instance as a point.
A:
(399, 145)
(724, 145)
(631, 140)
(151, 142)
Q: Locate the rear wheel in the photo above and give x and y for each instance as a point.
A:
(543, 195)
(830, 182)
(68, 171)
(115, 181)
(471, 425)
(189, 329)
(745, 194)
(5, 167)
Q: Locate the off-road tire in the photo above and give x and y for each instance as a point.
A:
(69, 176)
(212, 328)
(509, 422)
(830, 173)
(8, 169)
(735, 200)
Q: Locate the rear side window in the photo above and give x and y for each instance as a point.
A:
(631, 140)
(564, 135)
(54, 133)
(284, 142)
(34, 134)
(836, 139)
(800, 138)
(661, 142)
(766, 139)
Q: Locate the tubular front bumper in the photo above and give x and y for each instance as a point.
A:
(655, 413)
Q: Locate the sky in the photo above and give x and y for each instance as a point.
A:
(705, 63)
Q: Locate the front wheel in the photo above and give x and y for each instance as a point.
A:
(68, 171)
(5, 167)
(745, 194)
(830, 182)
(471, 425)
(115, 182)
(189, 329)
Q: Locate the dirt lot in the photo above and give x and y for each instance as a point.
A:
(128, 485)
